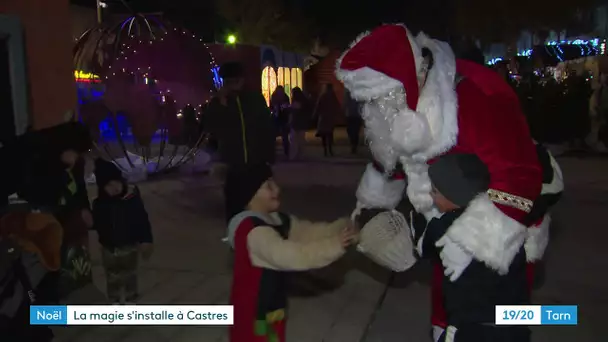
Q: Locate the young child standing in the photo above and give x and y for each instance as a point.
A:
(121, 221)
(267, 244)
(470, 300)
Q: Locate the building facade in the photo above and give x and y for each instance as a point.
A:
(36, 35)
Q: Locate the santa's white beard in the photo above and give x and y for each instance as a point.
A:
(393, 130)
(378, 134)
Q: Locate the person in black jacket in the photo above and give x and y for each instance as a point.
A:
(242, 124)
(470, 300)
(121, 221)
(241, 121)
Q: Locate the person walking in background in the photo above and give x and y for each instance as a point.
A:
(241, 122)
(191, 126)
(279, 104)
(353, 121)
(124, 230)
(326, 111)
(299, 119)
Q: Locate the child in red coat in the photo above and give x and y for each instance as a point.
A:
(267, 244)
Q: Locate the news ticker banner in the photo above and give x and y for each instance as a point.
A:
(536, 315)
(223, 315)
(131, 315)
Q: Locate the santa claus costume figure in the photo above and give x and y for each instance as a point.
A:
(420, 102)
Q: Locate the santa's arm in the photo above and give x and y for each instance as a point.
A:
(379, 189)
(553, 185)
(493, 227)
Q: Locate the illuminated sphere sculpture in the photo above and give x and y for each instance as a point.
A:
(142, 85)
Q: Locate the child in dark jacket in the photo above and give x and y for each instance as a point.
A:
(470, 300)
(121, 221)
(267, 245)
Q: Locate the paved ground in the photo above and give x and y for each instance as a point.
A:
(192, 266)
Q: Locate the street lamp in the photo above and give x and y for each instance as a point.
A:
(100, 6)
(231, 39)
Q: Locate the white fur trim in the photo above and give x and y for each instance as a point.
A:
(410, 131)
(367, 83)
(437, 332)
(418, 185)
(488, 234)
(537, 240)
(557, 184)
(377, 191)
(438, 101)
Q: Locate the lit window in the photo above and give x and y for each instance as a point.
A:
(299, 78)
(269, 83)
(285, 80)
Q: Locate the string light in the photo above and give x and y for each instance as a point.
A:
(554, 48)
(128, 50)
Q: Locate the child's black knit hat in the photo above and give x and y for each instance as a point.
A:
(459, 177)
(242, 183)
(105, 172)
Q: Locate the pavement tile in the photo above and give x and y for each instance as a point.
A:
(174, 285)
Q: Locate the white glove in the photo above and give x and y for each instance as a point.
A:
(454, 259)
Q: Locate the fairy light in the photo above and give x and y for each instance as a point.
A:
(128, 50)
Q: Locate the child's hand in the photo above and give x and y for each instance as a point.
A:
(349, 235)
(146, 250)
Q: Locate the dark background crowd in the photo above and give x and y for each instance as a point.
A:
(565, 111)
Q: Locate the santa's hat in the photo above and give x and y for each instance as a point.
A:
(381, 61)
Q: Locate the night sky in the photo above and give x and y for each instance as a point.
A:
(341, 20)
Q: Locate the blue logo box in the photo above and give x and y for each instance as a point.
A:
(48, 315)
(559, 315)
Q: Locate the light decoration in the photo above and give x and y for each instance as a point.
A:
(86, 77)
(525, 53)
(269, 83)
(231, 39)
(554, 48)
(144, 74)
(217, 80)
(603, 47)
(495, 60)
(102, 47)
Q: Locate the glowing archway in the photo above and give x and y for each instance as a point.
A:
(284, 79)
(289, 79)
(269, 83)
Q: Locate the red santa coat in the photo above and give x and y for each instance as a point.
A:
(419, 124)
